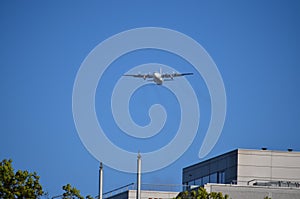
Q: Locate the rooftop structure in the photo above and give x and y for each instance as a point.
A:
(131, 194)
(251, 192)
(241, 173)
(247, 174)
(246, 167)
(148, 191)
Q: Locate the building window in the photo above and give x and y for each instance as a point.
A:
(221, 177)
(218, 177)
(199, 182)
(185, 186)
(191, 182)
(205, 180)
(213, 178)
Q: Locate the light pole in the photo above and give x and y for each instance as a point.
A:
(100, 180)
(138, 187)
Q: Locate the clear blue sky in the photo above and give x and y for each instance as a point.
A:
(255, 44)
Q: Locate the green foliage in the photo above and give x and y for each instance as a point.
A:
(21, 184)
(72, 193)
(89, 197)
(201, 193)
(25, 185)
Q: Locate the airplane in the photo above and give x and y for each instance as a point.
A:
(159, 77)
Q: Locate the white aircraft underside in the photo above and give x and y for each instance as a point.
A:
(158, 77)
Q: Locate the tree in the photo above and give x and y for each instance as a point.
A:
(20, 184)
(72, 193)
(201, 193)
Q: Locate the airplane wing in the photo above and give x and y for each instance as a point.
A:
(144, 76)
(172, 75)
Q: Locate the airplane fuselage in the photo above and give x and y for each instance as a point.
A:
(157, 78)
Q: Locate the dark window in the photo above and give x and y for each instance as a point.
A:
(213, 178)
(199, 181)
(221, 177)
(205, 179)
(191, 182)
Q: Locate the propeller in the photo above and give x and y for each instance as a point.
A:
(187, 73)
(173, 74)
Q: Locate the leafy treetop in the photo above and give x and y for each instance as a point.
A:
(20, 184)
(201, 193)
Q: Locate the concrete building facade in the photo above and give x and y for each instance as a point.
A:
(254, 192)
(248, 174)
(246, 167)
(131, 194)
(241, 174)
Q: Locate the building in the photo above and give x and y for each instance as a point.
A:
(145, 194)
(241, 174)
(254, 192)
(148, 191)
(244, 173)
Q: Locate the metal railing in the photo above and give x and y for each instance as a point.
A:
(119, 190)
(274, 183)
(145, 187)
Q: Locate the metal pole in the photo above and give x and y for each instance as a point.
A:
(100, 180)
(138, 186)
